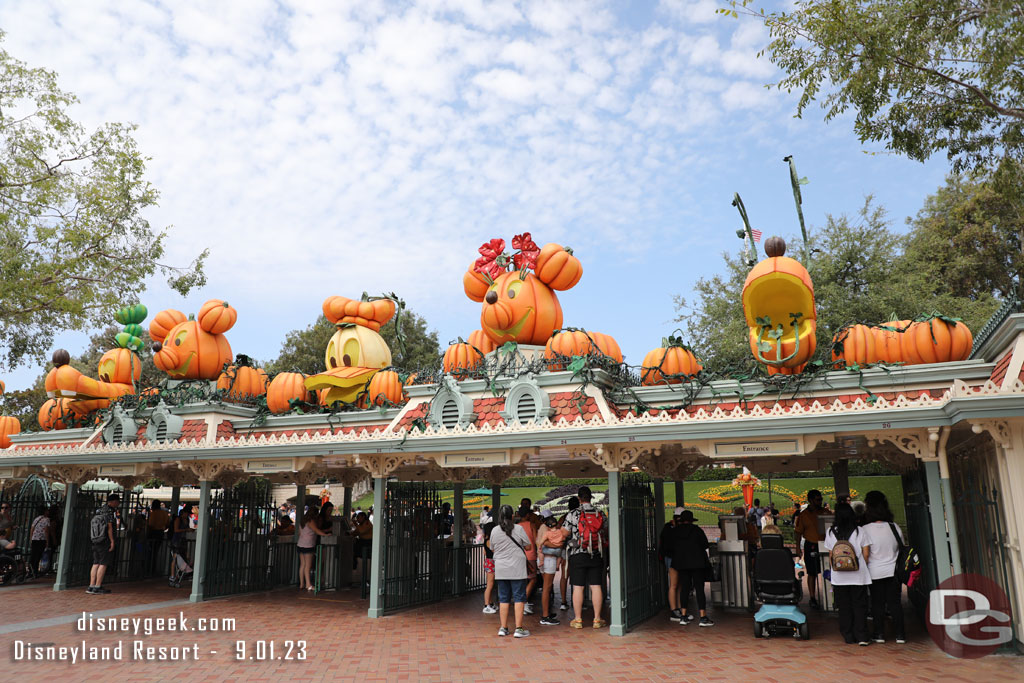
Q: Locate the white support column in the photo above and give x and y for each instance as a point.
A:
(376, 609)
(202, 542)
(617, 622)
(66, 537)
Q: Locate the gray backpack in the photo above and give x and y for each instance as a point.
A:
(98, 527)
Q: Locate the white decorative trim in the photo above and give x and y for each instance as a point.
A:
(523, 388)
(999, 430)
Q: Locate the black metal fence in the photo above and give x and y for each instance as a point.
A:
(241, 545)
(130, 547)
(413, 550)
(644, 573)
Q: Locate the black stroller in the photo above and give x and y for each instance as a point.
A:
(778, 590)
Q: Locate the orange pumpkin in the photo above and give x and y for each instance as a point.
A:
(121, 366)
(888, 344)
(55, 414)
(569, 343)
(772, 370)
(371, 314)
(674, 360)
(189, 349)
(163, 322)
(481, 341)
(460, 359)
(2, 386)
(775, 288)
(8, 427)
(557, 267)
(936, 340)
(475, 284)
(285, 387)
(386, 387)
(216, 316)
(520, 309)
(243, 381)
(854, 345)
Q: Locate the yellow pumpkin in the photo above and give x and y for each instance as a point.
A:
(121, 366)
(357, 346)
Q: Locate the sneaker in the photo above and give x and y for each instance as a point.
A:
(528, 609)
(685, 619)
(706, 621)
(549, 621)
(101, 590)
(600, 623)
(863, 643)
(521, 633)
(489, 609)
(901, 641)
(688, 618)
(878, 639)
(676, 615)
(502, 631)
(91, 590)
(564, 607)
(576, 623)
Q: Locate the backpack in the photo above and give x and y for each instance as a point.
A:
(843, 556)
(591, 527)
(907, 561)
(98, 527)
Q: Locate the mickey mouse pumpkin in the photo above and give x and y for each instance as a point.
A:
(193, 349)
(520, 305)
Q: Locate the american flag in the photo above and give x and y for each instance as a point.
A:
(756, 233)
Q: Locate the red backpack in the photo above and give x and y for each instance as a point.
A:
(591, 528)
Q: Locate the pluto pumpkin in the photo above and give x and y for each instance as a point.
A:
(55, 414)
(193, 349)
(778, 303)
(356, 352)
(519, 305)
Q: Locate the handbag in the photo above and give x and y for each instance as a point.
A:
(531, 566)
(44, 561)
(907, 560)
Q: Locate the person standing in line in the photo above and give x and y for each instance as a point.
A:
(510, 543)
(551, 541)
(306, 545)
(665, 551)
(41, 537)
(563, 562)
(884, 538)
(101, 531)
(485, 515)
(850, 587)
(689, 548)
(806, 528)
(489, 607)
(156, 529)
(588, 534)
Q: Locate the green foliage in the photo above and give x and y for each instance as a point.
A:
(303, 350)
(73, 240)
(921, 76)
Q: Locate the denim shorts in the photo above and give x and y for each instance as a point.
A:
(549, 565)
(511, 590)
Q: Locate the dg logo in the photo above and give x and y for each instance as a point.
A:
(969, 616)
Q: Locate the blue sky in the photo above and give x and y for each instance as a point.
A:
(335, 148)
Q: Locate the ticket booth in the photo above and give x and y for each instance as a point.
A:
(733, 558)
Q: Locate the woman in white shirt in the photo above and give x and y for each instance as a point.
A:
(886, 590)
(850, 587)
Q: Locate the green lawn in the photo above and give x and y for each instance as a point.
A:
(707, 499)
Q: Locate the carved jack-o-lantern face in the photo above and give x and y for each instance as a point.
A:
(355, 346)
(523, 310)
(189, 352)
(120, 365)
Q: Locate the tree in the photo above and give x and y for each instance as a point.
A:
(922, 76)
(74, 244)
(303, 350)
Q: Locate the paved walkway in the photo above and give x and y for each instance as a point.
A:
(450, 642)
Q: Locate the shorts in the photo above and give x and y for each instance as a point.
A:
(305, 551)
(668, 563)
(101, 553)
(488, 565)
(511, 590)
(586, 569)
(550, 565)
(812, 560)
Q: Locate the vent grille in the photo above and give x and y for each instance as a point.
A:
(161, 431)
(526, 409)
(118, 434)
(450, 414)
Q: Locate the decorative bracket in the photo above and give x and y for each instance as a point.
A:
(171, 476)
(380, 465)
(70, 474)
(999, 430)
(613, 457)
(920, 443)
(208, 470)
(497, 475)
(673, 463)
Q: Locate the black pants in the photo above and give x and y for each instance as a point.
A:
(853, 614)
(36, 554)
(692, 579)
(887, 593)
(154, 537)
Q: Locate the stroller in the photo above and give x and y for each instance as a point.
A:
(778, 591)
(181, 570)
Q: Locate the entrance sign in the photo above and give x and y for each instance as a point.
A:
(268, 465)
(125, 470)
(735, 449)
(7, 473)
(492, 459)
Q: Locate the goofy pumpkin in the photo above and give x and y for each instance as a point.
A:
(356, 352)
(519, 305)
(193, 349)
(119, 369)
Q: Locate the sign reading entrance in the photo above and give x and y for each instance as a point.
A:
(6, 473)
(268, 465)
(475, 459)
(737, 449)
(126, 470)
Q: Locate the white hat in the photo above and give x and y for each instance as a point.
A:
(545, 513)
(678, 512)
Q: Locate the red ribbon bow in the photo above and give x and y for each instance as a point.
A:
(526, 257)
(493, 261)
(488, 263)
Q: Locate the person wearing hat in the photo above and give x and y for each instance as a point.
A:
(688, 546)
(101, 531)
(551, 541)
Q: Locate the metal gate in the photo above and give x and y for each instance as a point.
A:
(130, 547)
(979, 519)
(414, 555)
(643, 572)
(919, 535)
(239, 551)
(25, 501)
